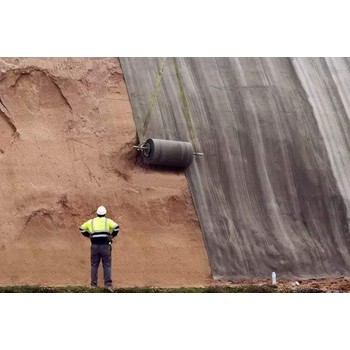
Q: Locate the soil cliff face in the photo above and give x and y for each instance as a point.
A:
(66, 147)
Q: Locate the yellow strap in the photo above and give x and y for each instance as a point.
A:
(185, 107)
(153, 98)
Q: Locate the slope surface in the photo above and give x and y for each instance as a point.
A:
(66, 148)
(272, 192)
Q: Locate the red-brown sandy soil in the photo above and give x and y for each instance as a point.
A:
(66, 147)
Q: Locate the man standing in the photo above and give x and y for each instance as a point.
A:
(101, 231)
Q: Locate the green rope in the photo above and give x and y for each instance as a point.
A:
(185, 106)
(153, 98)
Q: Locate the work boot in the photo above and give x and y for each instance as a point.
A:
(109, 288)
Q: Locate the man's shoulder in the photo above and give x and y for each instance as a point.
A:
(87, 222)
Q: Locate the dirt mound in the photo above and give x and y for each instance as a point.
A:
(67, 131)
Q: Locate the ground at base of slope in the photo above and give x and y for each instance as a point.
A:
(336, 284)
(316, 285)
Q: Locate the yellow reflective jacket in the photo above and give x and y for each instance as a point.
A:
(99, 229)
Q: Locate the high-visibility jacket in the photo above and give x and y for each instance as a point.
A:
(100, 230)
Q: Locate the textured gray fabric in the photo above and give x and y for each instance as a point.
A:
(101, 252)
(273, 190)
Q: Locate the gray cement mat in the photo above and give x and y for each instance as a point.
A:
(272, 192)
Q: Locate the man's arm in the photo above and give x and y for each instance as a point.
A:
(115, 231)
(114, 227)
(84, 229)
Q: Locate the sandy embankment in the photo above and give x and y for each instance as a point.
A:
(67, 131)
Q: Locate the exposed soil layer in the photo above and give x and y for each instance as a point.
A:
(66, 148)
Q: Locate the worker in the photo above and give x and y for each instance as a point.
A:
(101, 232)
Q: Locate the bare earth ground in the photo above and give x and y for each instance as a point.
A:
(337, 284)
(66, 147)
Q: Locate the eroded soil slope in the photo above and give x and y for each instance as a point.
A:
(66, 148)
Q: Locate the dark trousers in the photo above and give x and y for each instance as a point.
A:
(104, 252)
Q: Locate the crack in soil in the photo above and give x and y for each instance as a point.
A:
(41, 212)
(20, 72)
(5, 114)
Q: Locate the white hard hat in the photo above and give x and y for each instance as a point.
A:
(101, 210)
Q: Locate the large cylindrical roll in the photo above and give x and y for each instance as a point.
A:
(168, 153)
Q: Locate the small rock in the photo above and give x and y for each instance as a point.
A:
(297, 283)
